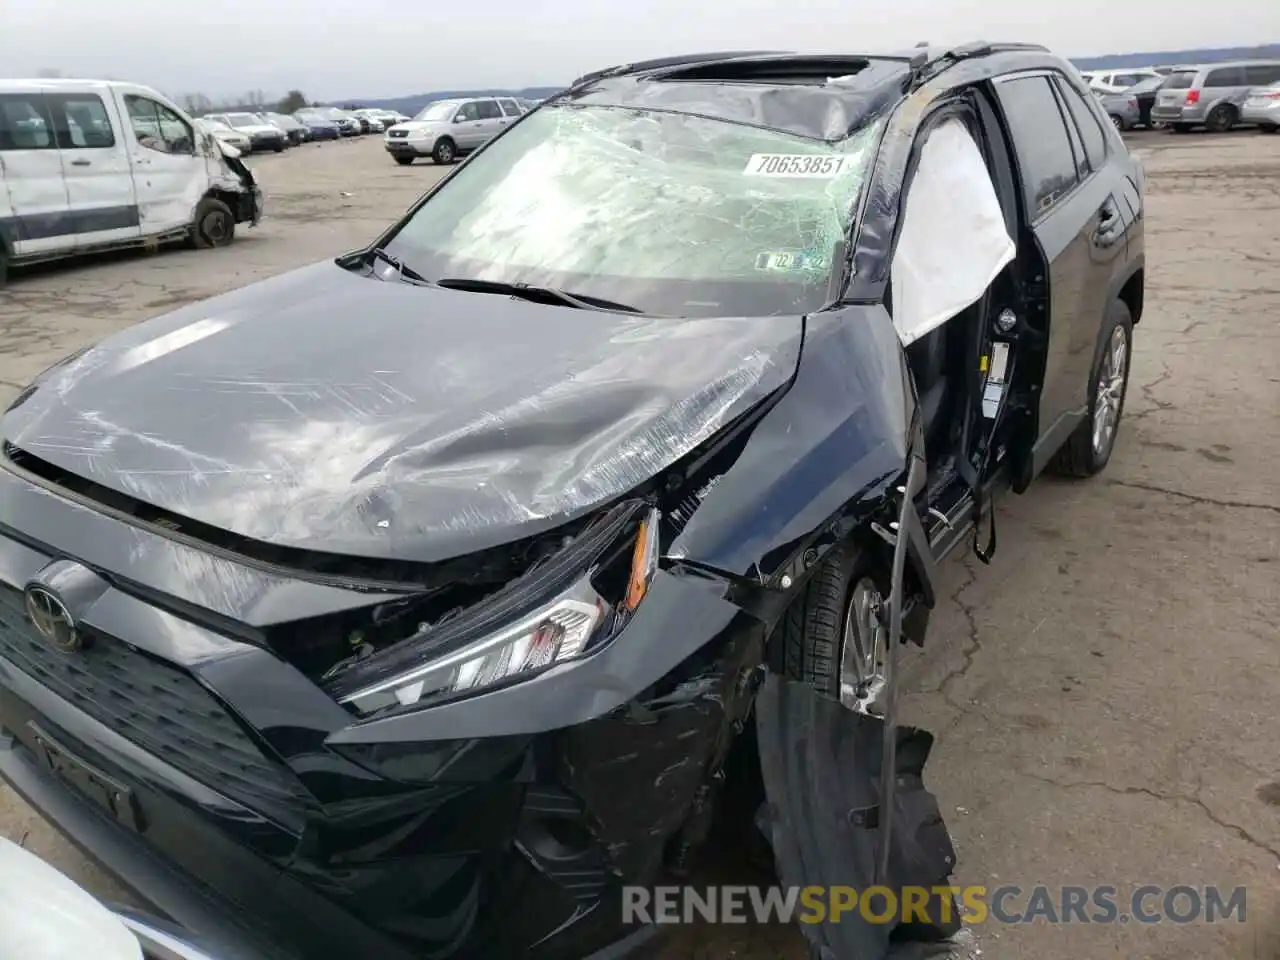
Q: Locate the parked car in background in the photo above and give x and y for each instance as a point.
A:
(295, 131)
(1122, 108)
(1262, 107)
(448, 129)
(318, 122)
(263, 135)
(348, 124)
(224, 134)
(1211, 95)
(75, 152)
(1114, 81)
(375, 119)
(1145, 93)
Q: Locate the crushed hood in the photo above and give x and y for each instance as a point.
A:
(328, 411)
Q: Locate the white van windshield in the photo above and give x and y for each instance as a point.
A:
(440, 110)
(668, 213)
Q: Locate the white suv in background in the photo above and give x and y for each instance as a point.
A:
(447, 129)
(1114, 81)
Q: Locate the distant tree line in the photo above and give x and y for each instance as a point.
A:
(255, 101)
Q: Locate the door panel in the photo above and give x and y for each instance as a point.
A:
(169, 173)
(35, 219)
(468, 128)
(1064, 201)
(491, 119)
(95, 166)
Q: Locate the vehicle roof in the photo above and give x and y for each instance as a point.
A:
(1255, 62)
(818, 96)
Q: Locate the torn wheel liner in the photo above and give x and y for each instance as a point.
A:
(821, 764)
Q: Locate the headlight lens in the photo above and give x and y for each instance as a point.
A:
(559, 630)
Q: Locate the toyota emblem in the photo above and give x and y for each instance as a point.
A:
(52, 620)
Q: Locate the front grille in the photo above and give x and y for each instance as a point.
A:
(398, 134)
(157, 706)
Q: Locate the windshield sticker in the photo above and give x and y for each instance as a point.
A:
(799, 165)
(788, 261)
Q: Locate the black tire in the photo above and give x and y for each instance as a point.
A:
(4, 264)
(279, 148)
(445, 152)
(214, 225)
(404, 161)
(1119, 122)
(1221, 118)
(1181, 127)
(814, 624)
(813, 637)
(1268, 127)
(1083, 455)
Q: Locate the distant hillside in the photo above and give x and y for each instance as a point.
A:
(412, 104)
(1269, 51)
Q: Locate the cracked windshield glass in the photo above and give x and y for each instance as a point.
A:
(669, 214)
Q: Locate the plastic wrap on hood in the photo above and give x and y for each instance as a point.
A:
(954, 241)
(322, 410)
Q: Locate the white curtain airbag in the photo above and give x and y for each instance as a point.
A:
(953, 242)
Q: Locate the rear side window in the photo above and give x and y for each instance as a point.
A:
(1225, 77)
(81, 121)
(1086, 119)
(1039, 134)
(1262, 75)
(1128, 79)
(510, 108)
(24, 122)
(1178, 81)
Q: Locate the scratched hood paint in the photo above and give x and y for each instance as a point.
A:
(328, 411)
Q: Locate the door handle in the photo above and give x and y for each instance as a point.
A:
(80, 163)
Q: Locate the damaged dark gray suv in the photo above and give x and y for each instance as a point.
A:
(414, 604)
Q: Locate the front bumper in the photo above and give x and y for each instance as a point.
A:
(218, 782)
(269, 141)
(408, 148)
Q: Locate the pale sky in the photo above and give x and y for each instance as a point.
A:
(388, 48)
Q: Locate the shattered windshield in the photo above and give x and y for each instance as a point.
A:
(668, 213)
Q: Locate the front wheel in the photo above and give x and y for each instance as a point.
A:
(1088, 450)
(404, 161)
(1182, 127)
(445, 152)
(214, 225)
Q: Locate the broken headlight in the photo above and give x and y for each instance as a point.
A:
(555, 614)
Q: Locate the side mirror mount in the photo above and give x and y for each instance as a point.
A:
(458, 118)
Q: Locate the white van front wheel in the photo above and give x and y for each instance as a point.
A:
(214, 225)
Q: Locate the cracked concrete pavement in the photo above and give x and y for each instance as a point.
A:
(1105, 693)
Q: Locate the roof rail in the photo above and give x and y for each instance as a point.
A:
(930, 63)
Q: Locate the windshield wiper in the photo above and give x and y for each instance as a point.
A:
(406, 274)
(527, 291)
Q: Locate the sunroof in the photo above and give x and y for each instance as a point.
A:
(805, 70)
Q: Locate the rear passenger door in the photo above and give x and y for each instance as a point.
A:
(1076, 220)
(491, 119)
(36, 219)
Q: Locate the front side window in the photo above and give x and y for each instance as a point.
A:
(667, 213)
(1040, 139)
(468, 111)
(488, 110)
(24, 122)
(158, 128)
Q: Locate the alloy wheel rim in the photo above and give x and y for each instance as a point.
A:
(446, 152)
(1110, 392)
(863, 674)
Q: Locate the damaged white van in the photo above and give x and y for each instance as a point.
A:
(88, 165)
